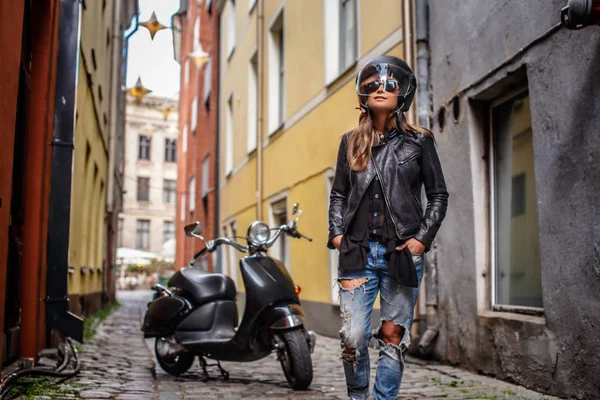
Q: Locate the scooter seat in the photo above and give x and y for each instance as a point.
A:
(204, 287)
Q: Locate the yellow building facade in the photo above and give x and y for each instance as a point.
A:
(87, 247)
(287, 95)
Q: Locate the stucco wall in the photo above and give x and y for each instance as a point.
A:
(147, 119)
(557, 353)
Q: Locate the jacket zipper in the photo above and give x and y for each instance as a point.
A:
(385, 197)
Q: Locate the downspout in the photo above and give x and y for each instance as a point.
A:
(424, 106)
(58, 316)
(422, 28)
(407, 33)
(111, 208)
(217, 90)
(259, 106)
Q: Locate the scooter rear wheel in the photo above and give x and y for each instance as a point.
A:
(295, 359)
(172, 362)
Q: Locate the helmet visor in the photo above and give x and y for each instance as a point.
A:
(390, 78)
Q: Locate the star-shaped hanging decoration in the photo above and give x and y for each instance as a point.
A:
(199, 56)
(138, 90)
(153, 25)
(166, 111)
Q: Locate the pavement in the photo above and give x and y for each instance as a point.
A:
(119, 364)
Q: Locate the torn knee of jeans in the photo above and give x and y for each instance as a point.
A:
(349, 354)
(395, 350)
(351, 284)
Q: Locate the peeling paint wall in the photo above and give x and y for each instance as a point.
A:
(558, 353)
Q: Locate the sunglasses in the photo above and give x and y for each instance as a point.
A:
(390, 86)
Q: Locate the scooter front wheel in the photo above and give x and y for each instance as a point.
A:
(295, 358)
(169, 359)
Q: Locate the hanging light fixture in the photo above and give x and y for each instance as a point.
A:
(138, 90)
(166, 110)
(153, 25)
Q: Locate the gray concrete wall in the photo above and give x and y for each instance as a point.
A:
(558, 353)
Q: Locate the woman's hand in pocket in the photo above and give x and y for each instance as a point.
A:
(414, 246)
(337, 241)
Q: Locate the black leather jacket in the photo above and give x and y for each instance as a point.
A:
(403, 164)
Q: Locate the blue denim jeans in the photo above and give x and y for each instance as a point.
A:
(397, 305)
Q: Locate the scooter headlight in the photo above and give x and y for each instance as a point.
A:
(258, 233)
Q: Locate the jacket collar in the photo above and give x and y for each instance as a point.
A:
(388, 136)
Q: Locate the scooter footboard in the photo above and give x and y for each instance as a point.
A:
(286, 317)
(162, 316)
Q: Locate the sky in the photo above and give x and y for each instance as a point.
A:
(152, 60)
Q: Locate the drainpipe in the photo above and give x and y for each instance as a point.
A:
(57, 315)
(424, 106)
(111, 207)
(409, 54)
(259, 106)
(422, 27)
(217, 90)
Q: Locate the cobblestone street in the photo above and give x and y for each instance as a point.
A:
(119, 364)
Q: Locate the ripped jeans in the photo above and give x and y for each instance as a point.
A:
(397, 305)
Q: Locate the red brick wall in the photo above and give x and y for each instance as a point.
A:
(203, 142)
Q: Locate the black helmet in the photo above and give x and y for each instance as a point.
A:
(378, 72)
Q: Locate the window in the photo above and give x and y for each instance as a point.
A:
(194, 119)
(348, 34)
(168, 230)
(333, 254)
(341, 37)
(120, 232)
(252, 103)
(205, 176)
(280, 249)
(169, 190)
(229, 137)
(207, 84)
(186, 73)
(142, 236)
(144, 148)
(143, 189)
(230, 231)
(516, 277)
(276, 74)
(231, 29)
(192, 190)
(170, 150)
(185, 135)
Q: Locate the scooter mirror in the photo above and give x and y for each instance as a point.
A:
(295, 210)
(191, 229)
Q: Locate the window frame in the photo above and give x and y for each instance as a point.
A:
(169, 191)
(492, 212)
(170, 231)
(252, 105)
(276, 62)
(170, 150)
(144, 146)
(139, 231)
(343, 36)
(229, 135)
(231, 28)
(283, 242)
(192, 194)
(141, 179)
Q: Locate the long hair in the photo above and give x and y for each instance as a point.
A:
(363, 137)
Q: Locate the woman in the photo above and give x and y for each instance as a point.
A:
(377, 222)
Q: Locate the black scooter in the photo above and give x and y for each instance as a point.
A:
(198, 315)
